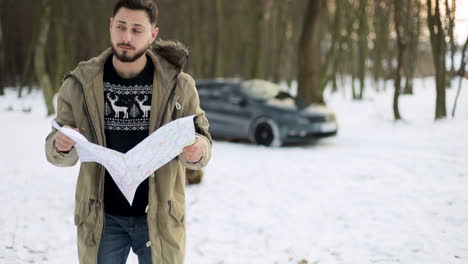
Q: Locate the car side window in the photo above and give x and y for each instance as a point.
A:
(219, 92)
(233, 96)
(209, 92)
(216, 93)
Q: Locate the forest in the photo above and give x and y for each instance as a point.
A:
(320, 44)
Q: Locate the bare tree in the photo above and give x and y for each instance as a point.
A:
(257, 19)
(270, 32)
(381, 24)
(217, 50)
(450, 17)
(439, 49)
(59, 40)
(40, 58)
(413, 30)
(310, 53)
(401, 44)
(363, 33)
(247, 39)
(283, 13)
(349, 43)
(461, 72)
(329, 70)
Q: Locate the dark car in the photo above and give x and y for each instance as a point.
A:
(259, 111)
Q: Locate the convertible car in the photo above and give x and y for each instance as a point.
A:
(260, 112)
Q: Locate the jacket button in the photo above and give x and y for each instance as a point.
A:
(148, 244)
(83, 129)
(77, 219)
(91, 243)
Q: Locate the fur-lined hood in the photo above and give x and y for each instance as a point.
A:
(174, 52)
(170, 56)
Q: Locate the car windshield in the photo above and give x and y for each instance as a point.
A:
(260, 89)
(270, 92)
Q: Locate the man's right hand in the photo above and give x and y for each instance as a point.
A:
(64, 143)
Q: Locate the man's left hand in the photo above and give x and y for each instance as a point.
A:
(194, 152)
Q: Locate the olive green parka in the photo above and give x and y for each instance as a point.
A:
(81, 104)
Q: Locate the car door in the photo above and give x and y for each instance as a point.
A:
(226, 110)
(210, 96)
(234, 112)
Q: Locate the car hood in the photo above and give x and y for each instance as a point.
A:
(292, 105)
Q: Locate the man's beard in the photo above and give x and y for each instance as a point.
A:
(124, 57)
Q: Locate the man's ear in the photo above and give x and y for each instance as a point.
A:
(154, 33)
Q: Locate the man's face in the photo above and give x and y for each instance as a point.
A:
(131, 33)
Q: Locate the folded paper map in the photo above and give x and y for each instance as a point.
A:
(130, 169)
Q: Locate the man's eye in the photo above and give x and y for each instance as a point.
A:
(137, 31)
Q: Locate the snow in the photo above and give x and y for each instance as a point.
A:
(379, 192)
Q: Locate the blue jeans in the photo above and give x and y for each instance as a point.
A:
(120, 234)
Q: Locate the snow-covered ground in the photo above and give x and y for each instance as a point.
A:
(379, 192)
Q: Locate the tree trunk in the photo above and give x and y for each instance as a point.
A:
(401, 50)
(379, 24)
(329, 69)
(26, 75)
(205, 55)
(195, 39)
(282, 23)
(290, 55)
(414, 30)
(229, 49)
(61, 57)
(270, 32)
(257, 54)
(439, 48)
(363, 46)
(217, 50)
(450, 13)
(40, 60)
(310, 53)
(462, 74)
(350, 43)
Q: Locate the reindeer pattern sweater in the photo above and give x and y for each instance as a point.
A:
(127, 105)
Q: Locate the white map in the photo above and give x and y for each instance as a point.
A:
(130, 169)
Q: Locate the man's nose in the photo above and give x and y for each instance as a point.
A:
(127, 37)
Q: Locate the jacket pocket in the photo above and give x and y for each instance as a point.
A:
(82, 210)
(176, 210)
(171, 226)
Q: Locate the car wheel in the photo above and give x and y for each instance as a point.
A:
(266, 133)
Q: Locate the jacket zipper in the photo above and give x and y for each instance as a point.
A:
(167, 102)
(94, 132)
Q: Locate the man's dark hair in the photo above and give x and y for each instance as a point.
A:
(146, 5)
